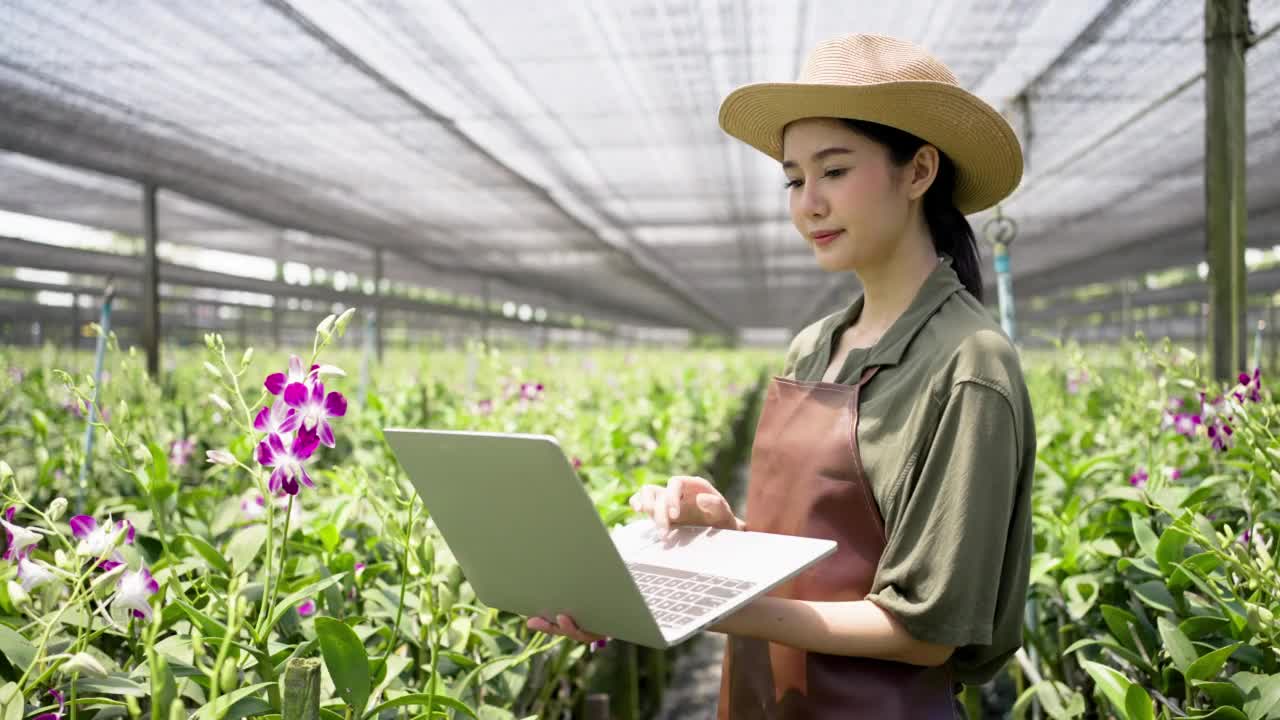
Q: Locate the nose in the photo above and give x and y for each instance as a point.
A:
(810, 201)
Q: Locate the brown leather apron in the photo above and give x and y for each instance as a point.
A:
(807, 479)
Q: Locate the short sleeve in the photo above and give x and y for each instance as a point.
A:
(953, 564)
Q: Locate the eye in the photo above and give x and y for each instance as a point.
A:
(792, 184)
(835, 172)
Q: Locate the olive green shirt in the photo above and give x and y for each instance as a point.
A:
(948, 443)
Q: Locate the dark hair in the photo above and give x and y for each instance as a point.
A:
(951, 232)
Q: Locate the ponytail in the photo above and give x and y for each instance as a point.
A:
(952, 235)
(950, 229)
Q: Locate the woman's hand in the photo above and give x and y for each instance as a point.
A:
(686, 501)
(566, 627)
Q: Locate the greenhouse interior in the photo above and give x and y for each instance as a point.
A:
(341, 339)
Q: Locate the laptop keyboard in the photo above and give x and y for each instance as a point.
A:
(679, 596)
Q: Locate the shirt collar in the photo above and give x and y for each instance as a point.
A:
(941, 284)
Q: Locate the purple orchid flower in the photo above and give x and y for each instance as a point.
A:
(288, 464)
(531, 391)
(1220, 434)
(33, 573)
(95, 539)
(255, 508)
(62, 705)
(484, 407)
(19, 540)
(279, 418)
(277, 382)
(1139, 478)
(134, 591)
(1185, 424)
(314, 408)
(180, 451)
(307, 608)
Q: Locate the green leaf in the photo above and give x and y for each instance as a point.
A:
(1138, 704)
(1113, 685)
(1171, 548)
(493, 712)
(329, 537)
(207, 551)
(1078, 604)
(1204, 563)
(247, 707)
(347, 661)
(1118, 622)
(1145, 536)
(1222, 713)
(1261, 694)
(11, 702)
(1132, 656)
(219, 707)
(1058, 700)
(422, 700)
(161, 484)
(1211, 663)
(1181, 651)
(1202, 625)
(293, 599)
(1221, 693)
(114, 684)
(245, 545)
(19, 651)
(1155, 595)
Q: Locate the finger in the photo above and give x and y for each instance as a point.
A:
(659, 511)
(642, 500)
(577, 633)
(675, 496)
(712, 506)
(572, 630)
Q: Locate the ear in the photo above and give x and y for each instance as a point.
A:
(922, 171)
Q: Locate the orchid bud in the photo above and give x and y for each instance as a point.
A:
(17, 595)
(57, 508)
(325, 328)
(220, 457)
(229, 675)
(131, 702)
(85, 664)
(246, 358)
(343, 319)
(197, 642)
(212, 369)
(6, 472)
(177, 711)
(220, 402)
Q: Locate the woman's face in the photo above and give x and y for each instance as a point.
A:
(847, 197)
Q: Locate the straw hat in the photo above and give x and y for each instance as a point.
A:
(892, 82)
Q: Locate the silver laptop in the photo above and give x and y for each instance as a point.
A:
(530, 541)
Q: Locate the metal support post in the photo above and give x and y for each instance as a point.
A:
(1000, 232)
(377, 304)
(1226, 36)
(108, 295)
(150, 282)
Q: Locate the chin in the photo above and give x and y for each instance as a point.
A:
(834, 261)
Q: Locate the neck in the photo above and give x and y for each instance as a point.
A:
(888, 287)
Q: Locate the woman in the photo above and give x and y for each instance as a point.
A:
(901, 427)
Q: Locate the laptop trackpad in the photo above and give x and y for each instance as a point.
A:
(757, 557)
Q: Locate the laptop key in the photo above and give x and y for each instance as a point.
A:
(696, 610)
(723, 592)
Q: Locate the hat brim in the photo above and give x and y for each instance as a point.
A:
(977, 139)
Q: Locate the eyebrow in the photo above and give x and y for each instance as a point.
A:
(821, 154)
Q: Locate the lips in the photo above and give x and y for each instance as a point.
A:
(825, 237)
